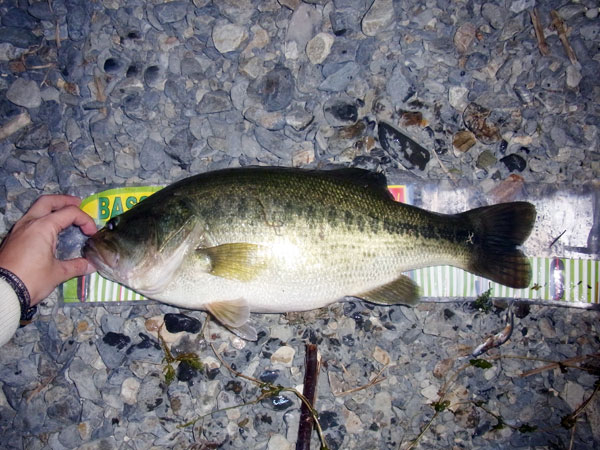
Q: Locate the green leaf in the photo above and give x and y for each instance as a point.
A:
(191, 359)
(526, 428)
(484, 302)
(440, 406)
(480, 363)
(500, 425)
(169, 373)
(568, 421)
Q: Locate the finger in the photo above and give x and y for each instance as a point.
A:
(72, 268)
(70, 215)
(48, 203)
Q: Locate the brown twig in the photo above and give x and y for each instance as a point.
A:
(539, 33)
(10, 128)
(556, 239)
(554, 364)
(376, 380)
(312, 363)
(559, 26)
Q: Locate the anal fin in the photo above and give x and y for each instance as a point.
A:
(234, 314)
(403, 290)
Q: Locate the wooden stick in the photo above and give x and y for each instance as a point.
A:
(559, 26)
(554, 365)
(10, 128)
(311, 376)
(539, 32)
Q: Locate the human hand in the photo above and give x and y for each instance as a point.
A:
(29, 249)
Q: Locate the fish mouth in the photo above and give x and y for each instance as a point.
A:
(105, 259)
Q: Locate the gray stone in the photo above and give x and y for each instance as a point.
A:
(41, 10)
(339, 80)
(513, 26)
(82, 375)
(70, 437)
(318, 48)
(214, 102)
(517, 6)
(340, 112)
(399, 87)
(44, 173)
(379, 16)
(78, 19)
(179, 147)
(273, 142)
(170, 12)
(24, 93)
(276, 89)
(25, 200)
(573, 77)
(228, 37)
(18, 37)
(495, 15)
(301, 28)
(112, 348)
(64, 405)
(558, 136)
(104, 443)
(19, 18)
(35, 137)
(100, 172)
(147, 350)
(151, 394)
(476, 61)
(152, 155)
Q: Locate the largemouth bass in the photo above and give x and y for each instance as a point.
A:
(275, 240)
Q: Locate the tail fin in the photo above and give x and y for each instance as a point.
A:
(500, 229)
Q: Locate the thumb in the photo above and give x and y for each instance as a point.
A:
(75, 267)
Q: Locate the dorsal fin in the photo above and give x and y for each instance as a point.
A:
(367, 179)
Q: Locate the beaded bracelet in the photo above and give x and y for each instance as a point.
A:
(20, 289)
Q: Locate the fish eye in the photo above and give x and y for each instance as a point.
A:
(112, 223)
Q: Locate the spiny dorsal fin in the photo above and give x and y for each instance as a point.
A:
(400, 291)
(239, 261)
(361, 177)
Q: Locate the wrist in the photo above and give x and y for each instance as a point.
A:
(27, 311)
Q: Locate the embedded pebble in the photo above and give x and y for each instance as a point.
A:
(379, 16)
(318, 48)
(283, 355)
(24, 93)
(228, 37)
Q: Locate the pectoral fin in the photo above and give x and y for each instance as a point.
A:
(234, 314)
(400, 291)
(239, 261)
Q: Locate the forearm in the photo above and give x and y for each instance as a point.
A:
(10, 312)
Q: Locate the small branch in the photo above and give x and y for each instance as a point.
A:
(556, 239)
(416, 440)
(376, 380)
(555, 364)
(571, 419)
(539, 33)
(559, 26)
(11, 127)
(445, 169)
(312, 363)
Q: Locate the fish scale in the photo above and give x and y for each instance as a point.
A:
(278, 240)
